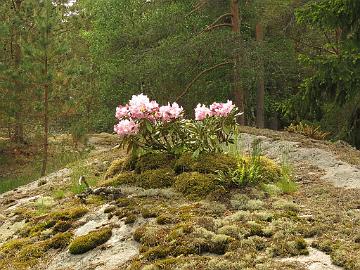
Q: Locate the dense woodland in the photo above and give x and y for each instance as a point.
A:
(65, 66)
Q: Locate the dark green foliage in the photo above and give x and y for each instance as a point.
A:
(89, 241)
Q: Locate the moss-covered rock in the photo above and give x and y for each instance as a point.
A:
(62, 226)
(128, 178)
(205, 163)
(151, 161)
(158, 178)
(166, 219)
(118, 166)
(195, 184)
(71, 213)
(90, 241)
(59, 241)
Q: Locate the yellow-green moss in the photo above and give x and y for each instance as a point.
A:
(118, 166)
(14, 245)
(166, 219)
(158, 252)
(195, 184)
(150, 235)
(158, 178)
(90, 241)
(151, 161)
(120, 179)
(149, 213)
(294, 247)
(72, 213)
(24, 252)
(205, 163)
(62, 226)
(130, 219)
(59, 241)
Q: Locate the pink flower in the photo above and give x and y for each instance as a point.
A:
(201, 112)
(122, 111)
(221, 109)
(141, 107)
(126, 127)
(169, 112)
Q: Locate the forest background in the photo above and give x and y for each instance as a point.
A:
(65, 66)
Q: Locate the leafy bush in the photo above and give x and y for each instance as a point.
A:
(144, 125)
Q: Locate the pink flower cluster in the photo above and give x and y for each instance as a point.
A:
(126, 127)
(140, 107)
(215, 109)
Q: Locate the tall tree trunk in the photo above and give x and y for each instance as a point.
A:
(260, 95)
(18, 135)
(238, 90)
(46, 107)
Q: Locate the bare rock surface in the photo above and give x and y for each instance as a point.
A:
(339, 173)
(112, 255)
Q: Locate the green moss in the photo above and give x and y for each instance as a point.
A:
(151, 161)
(124, 202)
(158, 252)
(157, 178)
(120, 179)
(62, 226)
(294, 247)
(130, 219)
(219, 243)
(205, 163)
(14, 245)
(110, 209)
(166, 219)
(90, 241)
(149, 213)
(33, 230)
(195, 184)
(59, 241)
(72, 213)
(118, 166)
(150, 235)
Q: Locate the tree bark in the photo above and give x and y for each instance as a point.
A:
(46, 107)
(18, 135)
(261, 84)
(238, 91)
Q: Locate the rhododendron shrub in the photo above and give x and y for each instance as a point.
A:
(143, 124)
(213, 127)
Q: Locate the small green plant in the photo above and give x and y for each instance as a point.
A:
(248, 170)
(58, 194)
(308, 130)
(286, 183)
